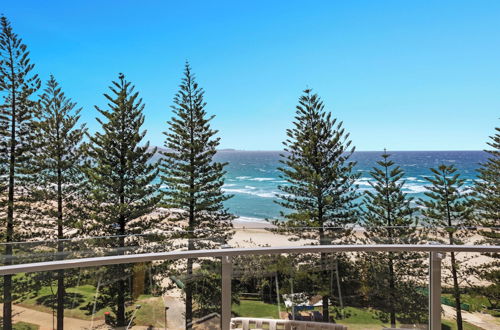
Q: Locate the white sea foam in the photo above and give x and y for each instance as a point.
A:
(414, 179)
(250, 222)
(261, 179)
(414, 188)
(466, 190)
(249, 178)
(249, 219)
(254, 192)
(363, 182)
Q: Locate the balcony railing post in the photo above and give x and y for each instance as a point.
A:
(227, 269)
(435, 290)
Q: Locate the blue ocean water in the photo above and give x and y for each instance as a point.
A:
(252, 176)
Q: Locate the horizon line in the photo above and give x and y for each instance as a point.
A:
(414, 150)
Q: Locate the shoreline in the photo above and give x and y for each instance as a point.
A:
(257, 223)
(251, 223)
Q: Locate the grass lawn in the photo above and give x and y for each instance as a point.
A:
(79, 296)
(25, 326)
(360, 318)
(256, 308)
(476, 303)
(151, 310)
(357, 318)
(452, 325)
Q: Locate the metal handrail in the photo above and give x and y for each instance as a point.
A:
(177, 232)
(435, 251)
(172, 255)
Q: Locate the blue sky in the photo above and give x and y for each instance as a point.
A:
(402, 75)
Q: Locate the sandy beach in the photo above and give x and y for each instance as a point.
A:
(255, 233)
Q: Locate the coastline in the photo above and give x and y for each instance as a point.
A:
(253, 232)
(251, 223)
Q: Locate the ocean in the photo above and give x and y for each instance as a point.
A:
(253, 178)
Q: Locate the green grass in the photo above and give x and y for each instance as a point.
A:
(357, 318)
(152, 310)
(151, 307)
(25, 326)
(255, 308)
(476, 302)
(360, 318)
(452, 325)
(85, 292)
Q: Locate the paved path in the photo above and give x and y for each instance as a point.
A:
(176, 309)
(484, 321)
(44, 320)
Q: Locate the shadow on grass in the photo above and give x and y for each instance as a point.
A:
(70, 300)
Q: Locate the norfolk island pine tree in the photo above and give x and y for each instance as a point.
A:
(193, 180)
(121, 181)
(449, 208)
(18, 109)
(321, 191)
(58, 179)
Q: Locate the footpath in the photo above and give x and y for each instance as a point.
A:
(482, 320)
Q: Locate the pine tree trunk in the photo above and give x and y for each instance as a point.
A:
(120, 297)
(392, 289)
(456, 289)
(456, 292)
(189, 270)
(324, 272)
(60, 249)
(120, 301)
(191, 225)
(7, 283)
(7, 301)
(392, 286)
(189, 294)
(60, 299)
(339, 288)
(326, 313)
(7, 286)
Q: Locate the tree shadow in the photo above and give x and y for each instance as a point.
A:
(70, 300)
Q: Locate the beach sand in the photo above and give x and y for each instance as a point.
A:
(255, 233)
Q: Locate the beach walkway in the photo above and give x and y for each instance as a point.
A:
(44, 320)
(482, 320)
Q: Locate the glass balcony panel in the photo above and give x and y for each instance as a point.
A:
(151, 293)
(358, 286)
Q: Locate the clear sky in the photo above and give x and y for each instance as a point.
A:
(402, 75)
